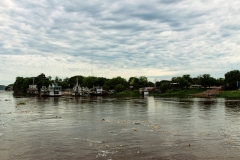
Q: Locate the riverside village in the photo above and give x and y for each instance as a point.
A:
(202, 86)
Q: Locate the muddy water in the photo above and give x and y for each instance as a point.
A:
(118, 128)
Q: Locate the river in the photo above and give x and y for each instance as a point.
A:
(118, 128)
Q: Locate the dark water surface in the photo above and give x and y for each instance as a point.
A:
(118, 128)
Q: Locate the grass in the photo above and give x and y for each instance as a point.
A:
(175, 93)
(179, 93)
(229, 94)
(127, 94)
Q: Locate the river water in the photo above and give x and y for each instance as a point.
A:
(118, 128)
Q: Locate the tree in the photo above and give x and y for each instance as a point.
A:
(164, 87)
(72, 81)
(134, 81)
(65, 79)
(63, 84)
(89, 81)
(150, 84)
(206, 80)
(115, 81)
(119, 88)
(56, 78)
(196, 80)
(105, 87)
(183, 83)
(188, 78)
(231, 79)
(17, 86)
(220, 81)
(143, 81)
(100, 81)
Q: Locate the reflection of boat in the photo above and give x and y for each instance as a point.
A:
(32, 89)
(55, 90)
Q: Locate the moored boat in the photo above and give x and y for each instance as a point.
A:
(55, 90)
(44, 91)
(32, 89)
(77, 90)
(80, 91)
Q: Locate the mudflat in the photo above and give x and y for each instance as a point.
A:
(209, 92)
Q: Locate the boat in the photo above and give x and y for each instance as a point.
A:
(55, 90)
(98, 91)
(52, 90)
(77, 90)
(44, 91)
(80, 91)
(32, 89)
(85, 91)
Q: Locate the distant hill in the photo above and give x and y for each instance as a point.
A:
(2, 87)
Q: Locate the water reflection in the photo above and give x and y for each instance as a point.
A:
(119, 128)
(232, 105)
(55, 100)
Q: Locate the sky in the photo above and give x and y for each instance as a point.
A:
(159, 39)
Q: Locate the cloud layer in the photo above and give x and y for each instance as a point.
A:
(156, 38)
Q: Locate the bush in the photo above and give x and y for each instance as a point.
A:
(119, 88)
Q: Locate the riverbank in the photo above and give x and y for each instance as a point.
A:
(127, 93)
(179, 93)
(208, 92)
(229, 94)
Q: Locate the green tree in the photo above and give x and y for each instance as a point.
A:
(105, 87)
(134, 81)
(150, 84)
(66, 79)
(119, 88)
(206, 80)
(17, 86)
(115, 81)
(73, 80)
(231, 79)
(220, 81)
(164, 87)
(64, 84)
(184, 83)
(188, 78)
(100, 81)
(143, 81)
(89, 81)
(56, 78)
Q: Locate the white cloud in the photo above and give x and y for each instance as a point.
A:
(118, 38)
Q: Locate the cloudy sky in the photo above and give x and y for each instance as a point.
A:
(154, 38)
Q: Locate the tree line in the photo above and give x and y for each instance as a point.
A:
(120, 84)
(116, 83)
(204, 80)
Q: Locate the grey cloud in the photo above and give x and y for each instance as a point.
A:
(122, 34)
